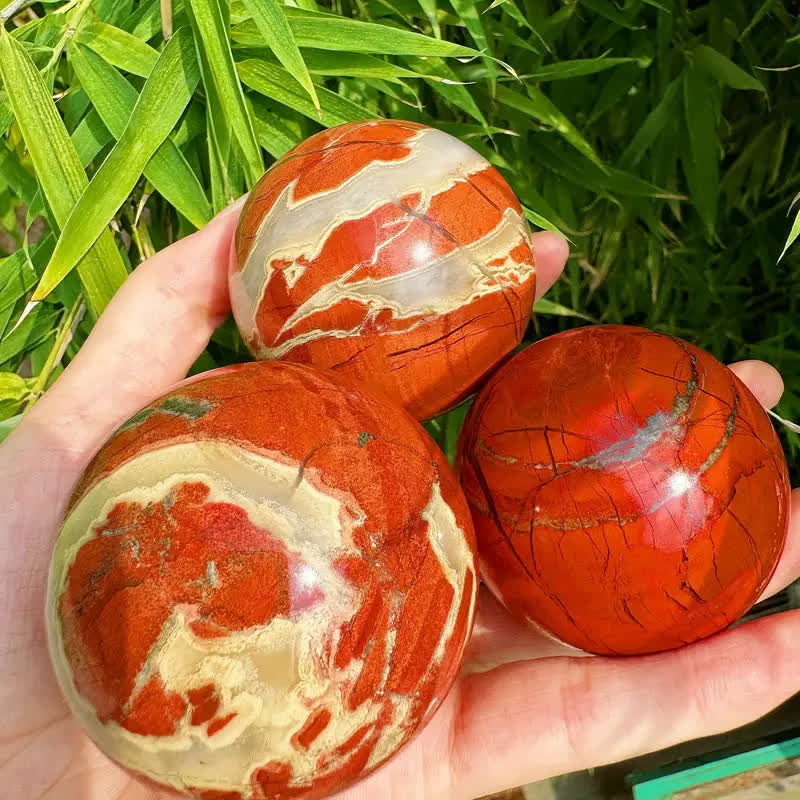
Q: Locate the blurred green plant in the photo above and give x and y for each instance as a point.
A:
(662, 136)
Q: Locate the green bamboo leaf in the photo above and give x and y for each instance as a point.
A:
(223, 158)
(32, 331)
(273, 135)
(117, 47)
(356, 65)
(73, 106)
(115, 99)
(90, 137)
(701, 158)
(6, 117)
(468, 13)
(541, 222)
(560, 70)
(445, 82)
(271, 22)
(614, 90)
(210, 25)
(57, 166)
(17, 275)
(765, 8)
(276, 83)
(331, 32)
(545, 306)
(718, 66)
(192, 125)
(145, 22)
(610, 11)
(20, 181)
(538, 106)
(510, 8)
(653, 126)
(432, 13)
(164, 97)
(794, 232)
(586, 174)
(14, 391)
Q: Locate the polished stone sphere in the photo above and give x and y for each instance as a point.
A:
(263, 586)
(629, 493)
(388, 251)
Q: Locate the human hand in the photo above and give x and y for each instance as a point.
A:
(522, 709)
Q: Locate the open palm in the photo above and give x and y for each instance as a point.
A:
(522, 710)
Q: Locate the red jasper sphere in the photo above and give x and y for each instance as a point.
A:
(629, 493)
(387, 251)
(263, 585)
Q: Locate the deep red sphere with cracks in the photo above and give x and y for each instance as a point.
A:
(629, 493)
(388, 251)
(263, 586)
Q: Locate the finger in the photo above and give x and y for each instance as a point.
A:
(765, 382)
(788, 568)
(550, 252)
(155, 327)
(534, 719)
(762, 379)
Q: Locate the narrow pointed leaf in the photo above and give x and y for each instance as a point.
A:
(90, 137)
(539, 221)
(17, 275)
(164, 97)
(57, 166)
(213, 32)
(539, 107)
(356, 65)
(271, 22)
(331, 32)
(445, 83)
(432, 13)
(275, 137)
(114, 99)
(793, 234)
(468, 12)
(713, 63)
(20, 181)
(545, 306)
(35, 328)
(653, 125)
(276, 83)
(117, 47)
(701, 159)
(561, 70)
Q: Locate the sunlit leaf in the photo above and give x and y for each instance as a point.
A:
(57, 165)
(271, 22)
(212, 30)
(793, 233)
(155, 113)
(117, 47)
(276, 83)
(115, 99)
(331, 32)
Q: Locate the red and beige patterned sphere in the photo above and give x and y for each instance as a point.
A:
(263, 585)
(388, 251)
(629, 493)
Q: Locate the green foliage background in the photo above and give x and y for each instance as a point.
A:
(661, 136)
